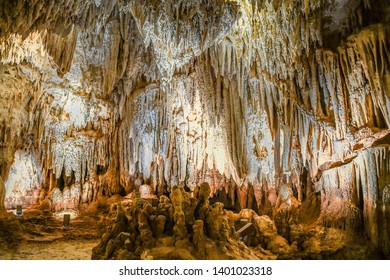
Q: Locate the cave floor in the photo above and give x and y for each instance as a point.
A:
(42, 238)
(56, 250)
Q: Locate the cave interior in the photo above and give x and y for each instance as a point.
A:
(203, 129)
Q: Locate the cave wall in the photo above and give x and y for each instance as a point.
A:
(274, 103)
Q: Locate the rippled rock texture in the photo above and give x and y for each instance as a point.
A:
(281, 106)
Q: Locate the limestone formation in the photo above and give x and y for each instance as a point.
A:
(196, 111)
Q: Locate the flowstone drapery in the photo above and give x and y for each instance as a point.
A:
(281, 106)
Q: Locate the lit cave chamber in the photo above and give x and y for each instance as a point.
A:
(195, 129)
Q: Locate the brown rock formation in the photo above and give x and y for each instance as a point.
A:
(282, 107)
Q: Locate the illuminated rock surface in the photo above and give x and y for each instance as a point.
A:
(281, 106)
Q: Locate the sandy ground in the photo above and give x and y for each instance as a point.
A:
(47, 239)
(56, 250)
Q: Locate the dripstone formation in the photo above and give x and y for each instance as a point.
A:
(187, 227)
(193, 119)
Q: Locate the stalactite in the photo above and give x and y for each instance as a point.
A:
(250, 96)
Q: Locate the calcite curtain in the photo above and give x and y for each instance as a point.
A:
(276, 104)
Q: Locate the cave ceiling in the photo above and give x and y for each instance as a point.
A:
(270, 102)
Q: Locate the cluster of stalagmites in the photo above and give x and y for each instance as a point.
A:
(186, 226)
(245, 95)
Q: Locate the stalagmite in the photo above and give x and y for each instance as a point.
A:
(173, 119)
